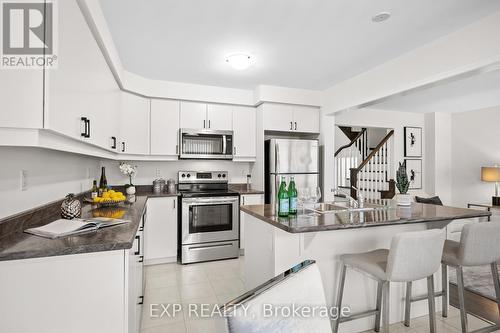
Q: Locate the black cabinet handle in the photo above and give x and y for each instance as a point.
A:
(138, 245)
(123, 146)
(85, 129)
(141, 300)
(113, 146)
(209, 124)
(88, 133)
(295, 125)
(204, 123)
(291, 125)
(141, 259)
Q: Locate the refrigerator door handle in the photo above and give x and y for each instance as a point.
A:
(277, 160)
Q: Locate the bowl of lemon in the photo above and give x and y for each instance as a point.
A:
(110, 198)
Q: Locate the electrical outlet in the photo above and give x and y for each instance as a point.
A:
(24, 180)
(158, 172)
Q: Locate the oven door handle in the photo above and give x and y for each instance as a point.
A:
(210, 201)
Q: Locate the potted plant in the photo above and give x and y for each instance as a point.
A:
(130, 171)
(403, 184)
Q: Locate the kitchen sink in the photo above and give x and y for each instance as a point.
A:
(343, 206)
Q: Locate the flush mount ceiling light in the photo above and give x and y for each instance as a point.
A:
(239, 61)
(381, 17)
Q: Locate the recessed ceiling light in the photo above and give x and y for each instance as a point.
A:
(239, 61)
(381, 17)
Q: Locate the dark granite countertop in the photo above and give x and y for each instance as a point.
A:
(242, 189)
(391, 215)
(16, 244)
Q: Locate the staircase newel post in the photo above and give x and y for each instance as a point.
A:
(354, 182)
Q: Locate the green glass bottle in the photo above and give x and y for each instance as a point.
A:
(292, 197)
(283, 202)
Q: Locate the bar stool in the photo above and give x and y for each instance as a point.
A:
(412, 256)
(478, 246)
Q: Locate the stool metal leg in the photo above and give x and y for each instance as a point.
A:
(445, 287)
(461, 299)
(340, 293)
(407, 304)
(432, 305)
(496, 283)
(386, 295)
(380, 286)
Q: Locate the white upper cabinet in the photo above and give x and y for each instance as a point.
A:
(305, 119)
(244, 127)
(134, 124)
(219, 117)
(278, 117)
(193, 115)
(291, 118)
(164, 127)
(21, 95)
(82, 85)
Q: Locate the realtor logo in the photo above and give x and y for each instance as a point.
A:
(28, 34)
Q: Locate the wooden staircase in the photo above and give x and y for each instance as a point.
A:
(365, 168)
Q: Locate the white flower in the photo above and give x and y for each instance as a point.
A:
(128, 170)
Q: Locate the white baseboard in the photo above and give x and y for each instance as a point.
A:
(159, 261)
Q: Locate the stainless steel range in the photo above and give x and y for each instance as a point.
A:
(209, 227)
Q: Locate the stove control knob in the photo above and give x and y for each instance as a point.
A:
(183, 175)
(189, 175)
(219, 175)
(224, 176)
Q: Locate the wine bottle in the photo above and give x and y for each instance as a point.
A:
(95, 190)
(292, 196)
(103, 182)
(283, 202)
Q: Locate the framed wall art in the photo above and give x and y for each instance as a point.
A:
(414, 170)
(413, 141)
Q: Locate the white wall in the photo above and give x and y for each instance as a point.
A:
(386, 119)
(51, 175)
(475, 143)
(147, 170)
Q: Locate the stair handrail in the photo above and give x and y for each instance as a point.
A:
(374, 151)
(360, 134)
(355, 171)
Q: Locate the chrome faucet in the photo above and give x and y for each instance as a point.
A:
(359, 203)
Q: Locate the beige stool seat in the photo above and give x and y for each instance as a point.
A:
(373, 262)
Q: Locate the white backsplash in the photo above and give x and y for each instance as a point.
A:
(147, 171)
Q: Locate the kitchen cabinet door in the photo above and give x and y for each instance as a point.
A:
(244, 127)
(82, 85)
(305, 119)
(278, 117)
(193, 115)
(220, 117)
(21, 93)
(161, 230)
(134, 124)
(247, 200)
(164, 127)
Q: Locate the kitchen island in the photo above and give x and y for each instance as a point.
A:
(274, 244)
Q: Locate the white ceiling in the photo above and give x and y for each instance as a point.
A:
(310, 44)
(473, 93)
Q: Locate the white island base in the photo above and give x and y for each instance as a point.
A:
(269, 251)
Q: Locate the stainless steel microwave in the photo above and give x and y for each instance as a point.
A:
(205, 144)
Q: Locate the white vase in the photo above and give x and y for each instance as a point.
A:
(130, 190)
(404, 199)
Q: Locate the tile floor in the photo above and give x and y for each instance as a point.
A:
(220, 281)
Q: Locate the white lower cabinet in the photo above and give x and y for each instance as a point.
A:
(161, 231)
(246, 200)
(98, 292)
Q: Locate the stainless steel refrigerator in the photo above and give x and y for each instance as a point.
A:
(290, 157)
